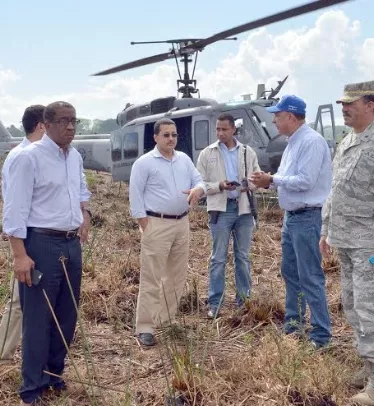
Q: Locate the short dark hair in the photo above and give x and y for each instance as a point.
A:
(368, 98)
(32, 116)
(227, 117)
(299, 117)
(162, 121)
(50, 110)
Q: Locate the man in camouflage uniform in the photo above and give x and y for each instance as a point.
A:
(348, 225)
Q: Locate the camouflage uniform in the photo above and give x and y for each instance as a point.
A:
(348, 223)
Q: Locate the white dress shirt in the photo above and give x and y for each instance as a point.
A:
(9, 159)
(157, 183)
(45, 189)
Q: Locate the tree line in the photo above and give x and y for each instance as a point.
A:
(85, 126)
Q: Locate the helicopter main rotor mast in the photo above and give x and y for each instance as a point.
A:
(186, 85)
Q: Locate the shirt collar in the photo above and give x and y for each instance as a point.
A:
(25, 142)
(297, 134)
(222, 145)
(217, 144)
(53, 147)
(157, 154)
(367, 133)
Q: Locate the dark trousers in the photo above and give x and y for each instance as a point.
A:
(42, 346)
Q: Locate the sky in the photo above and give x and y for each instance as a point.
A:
(49, 50)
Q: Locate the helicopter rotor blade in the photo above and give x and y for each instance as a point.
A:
(134, 64)
(201, 44)
(283, 15)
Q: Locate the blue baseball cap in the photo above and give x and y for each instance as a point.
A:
(289, 103)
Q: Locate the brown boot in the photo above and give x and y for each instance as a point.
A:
(360, 378)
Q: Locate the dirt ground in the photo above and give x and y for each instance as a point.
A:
(240, 359)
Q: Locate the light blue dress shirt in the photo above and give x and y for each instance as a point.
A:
(45, 189)
(9, 159)
(304, 176)
(157, 183)
(230, 159)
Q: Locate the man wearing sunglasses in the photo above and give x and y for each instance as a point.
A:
(46, 217)
(163, 183)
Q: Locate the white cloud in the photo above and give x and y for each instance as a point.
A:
(365, 59)
(319, 61)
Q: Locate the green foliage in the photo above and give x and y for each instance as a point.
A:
(85, 126)
(96, 126)
(91, 180)
(16, 132)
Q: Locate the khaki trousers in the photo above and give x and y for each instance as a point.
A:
(11, 325)
(163, 271)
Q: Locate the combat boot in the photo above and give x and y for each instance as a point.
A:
(360, 378)
(366, 397)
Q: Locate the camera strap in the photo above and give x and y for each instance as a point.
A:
(251, 196)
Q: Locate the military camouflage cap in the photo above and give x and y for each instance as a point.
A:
(355, 91)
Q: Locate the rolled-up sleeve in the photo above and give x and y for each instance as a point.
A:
(18, 196)
(85, 194)
(138, 180)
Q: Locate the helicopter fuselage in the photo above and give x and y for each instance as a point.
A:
(196, 123)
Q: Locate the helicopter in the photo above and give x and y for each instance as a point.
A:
(94, 148)
(195, 117)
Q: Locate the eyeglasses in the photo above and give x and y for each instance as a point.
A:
(64, 122)
(167, 135)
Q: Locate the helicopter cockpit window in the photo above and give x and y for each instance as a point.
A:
(201, 131)
(245, 131)
(117, 147)
(239, 127)
(130, 145)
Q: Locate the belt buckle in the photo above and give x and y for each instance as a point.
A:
(71, 234)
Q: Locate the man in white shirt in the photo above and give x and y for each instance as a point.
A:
(46, 216)
(11, 323)
(159, 184)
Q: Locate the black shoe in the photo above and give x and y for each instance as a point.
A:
(147, 339)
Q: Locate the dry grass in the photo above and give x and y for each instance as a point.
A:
(240, 359)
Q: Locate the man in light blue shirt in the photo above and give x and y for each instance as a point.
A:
(303, 181)
(11, 323)
(163, 183)
(46, 217)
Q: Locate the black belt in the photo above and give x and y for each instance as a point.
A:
(55, 233)
(232, 199)
(302, 210)
(167, 216)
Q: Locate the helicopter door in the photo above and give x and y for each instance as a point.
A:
(200, 136)
(126, 148)
(249, 132)
(325, 125)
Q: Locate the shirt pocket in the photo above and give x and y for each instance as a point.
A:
(361, 171)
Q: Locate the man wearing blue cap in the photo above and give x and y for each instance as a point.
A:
(303, 182)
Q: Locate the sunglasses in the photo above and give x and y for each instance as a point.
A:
(167, 135)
